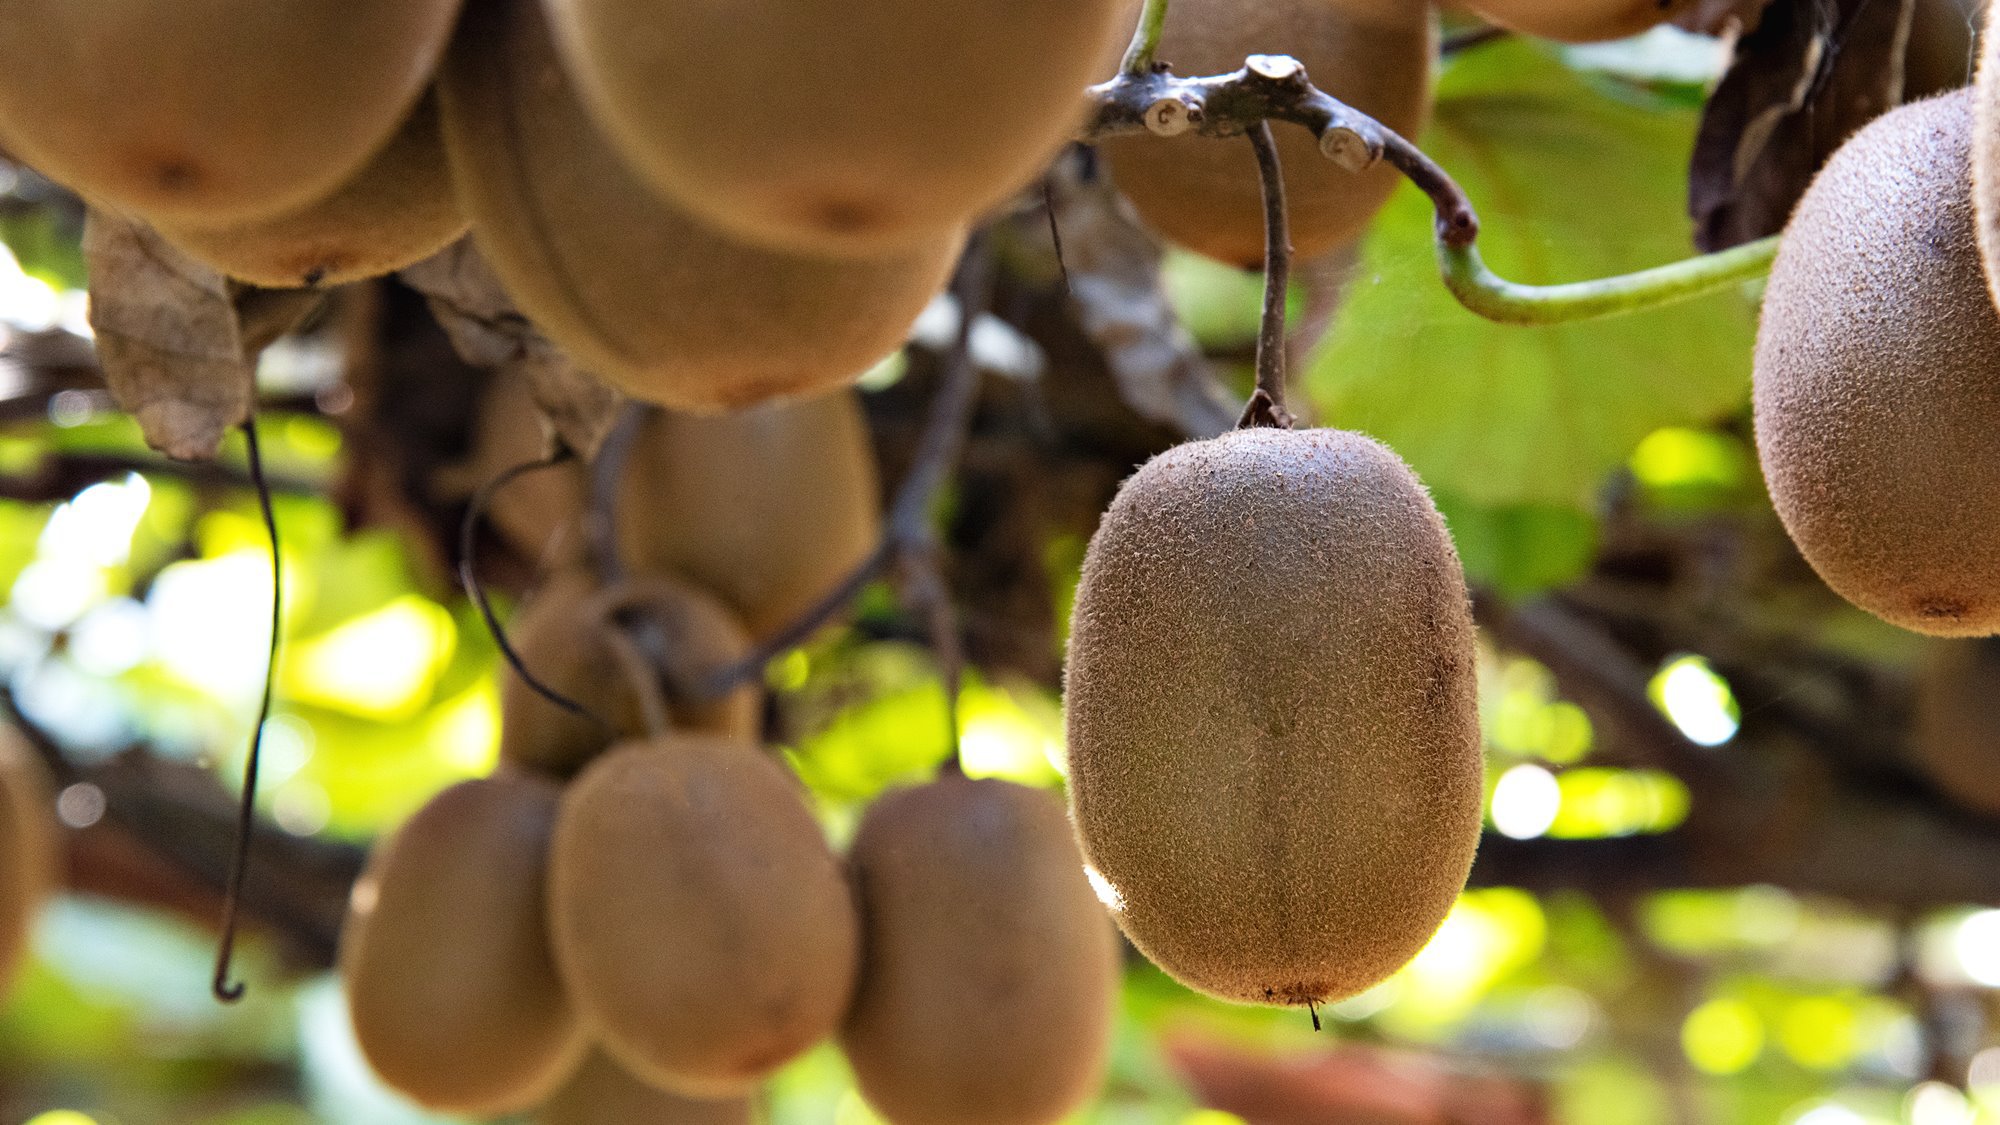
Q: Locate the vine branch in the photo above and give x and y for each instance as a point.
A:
(1267, 402)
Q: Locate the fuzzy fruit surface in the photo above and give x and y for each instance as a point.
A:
(1877, 388)
(450, 980)
(974, 900)
(1273, 731)
(1205, 193)
(603, 1093)
(30, 848)
(217, 111)
(658, 304)
(833, 127)
(702, 926)
(398, 209)
(1579, 21)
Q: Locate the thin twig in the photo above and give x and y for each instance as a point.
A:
(226, 990)
(1055, 231)
(1267, 402)
(1145, 47)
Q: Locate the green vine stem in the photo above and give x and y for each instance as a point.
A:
(1145, 40)
(1495, 298)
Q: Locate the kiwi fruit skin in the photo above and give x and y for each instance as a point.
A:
(451, 983)
(30, 848)
(770, 507)
(1957, 738)
(398, 209)
(702, 926)
(215, 112)
(1986, 150)
(890, 124)
(1877, 378)
(561, 637)
(603, 1093)
(1205, 193)
(657, 304)
(1273, 733)
(974, 901)
(1579, 21)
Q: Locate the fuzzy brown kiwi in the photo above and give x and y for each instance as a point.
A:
(702, 926)
(1957, 737)
(214, 112)
(1205, 193)
(769, 507)
(1877, 377)
(398, 209)
(1579, 21)
(604, 1093)
(656, 303)
(450, 980)
(30, 847)
(974, 901)
(561, 636)
(1273, 735)
(539, 514)
(898, 121)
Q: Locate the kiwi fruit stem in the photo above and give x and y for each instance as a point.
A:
(1495, 298)
(1146, 39)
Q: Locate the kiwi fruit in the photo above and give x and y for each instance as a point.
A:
(450, 981)
(769, 507)
(225, 111)
(1273, 737)
(30, 847)
(990, 971)
(1579, 21)
(398, 209)
(1956, 742)
(1877, 377)
(603, 1093)
(1205, 194)
(562, 637)
(655, 303)
(849, 129)
(701, 924)
(539, 515)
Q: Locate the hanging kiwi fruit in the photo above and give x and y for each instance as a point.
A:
(30, 848)
(1877, 377)
(451, 983)
(398, 209)
(645, 296)
(823, 127)
(769, 507)
(1274, 742)
(1579, 21)
(565, 637)
(219, 112)
(603, 1093)
(1205, 193)
(974, 901)
(701, 924)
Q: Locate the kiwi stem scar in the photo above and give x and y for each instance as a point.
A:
(226, 990)
(1495, 298)
(1145, 39)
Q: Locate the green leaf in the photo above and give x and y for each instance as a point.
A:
(1574, 179)
(1520, 549)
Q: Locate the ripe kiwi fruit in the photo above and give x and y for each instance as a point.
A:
(1579, 21)
(645, 296)
(604, 1093)
(30, 847)
(450, 980)
(839, 128)
(562, 636)
(396, 210)
(974, 901)
(769, 507)
(1957, 737)
(1205, 194)
(1273, 735)
(701, 924)
(215, 112)
(1877, 377)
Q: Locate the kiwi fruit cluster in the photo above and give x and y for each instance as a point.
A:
(30, 848)
(1877, 376)
(1274, 745)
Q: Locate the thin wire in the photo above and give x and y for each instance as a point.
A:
(226, 990)
(1055, 230)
